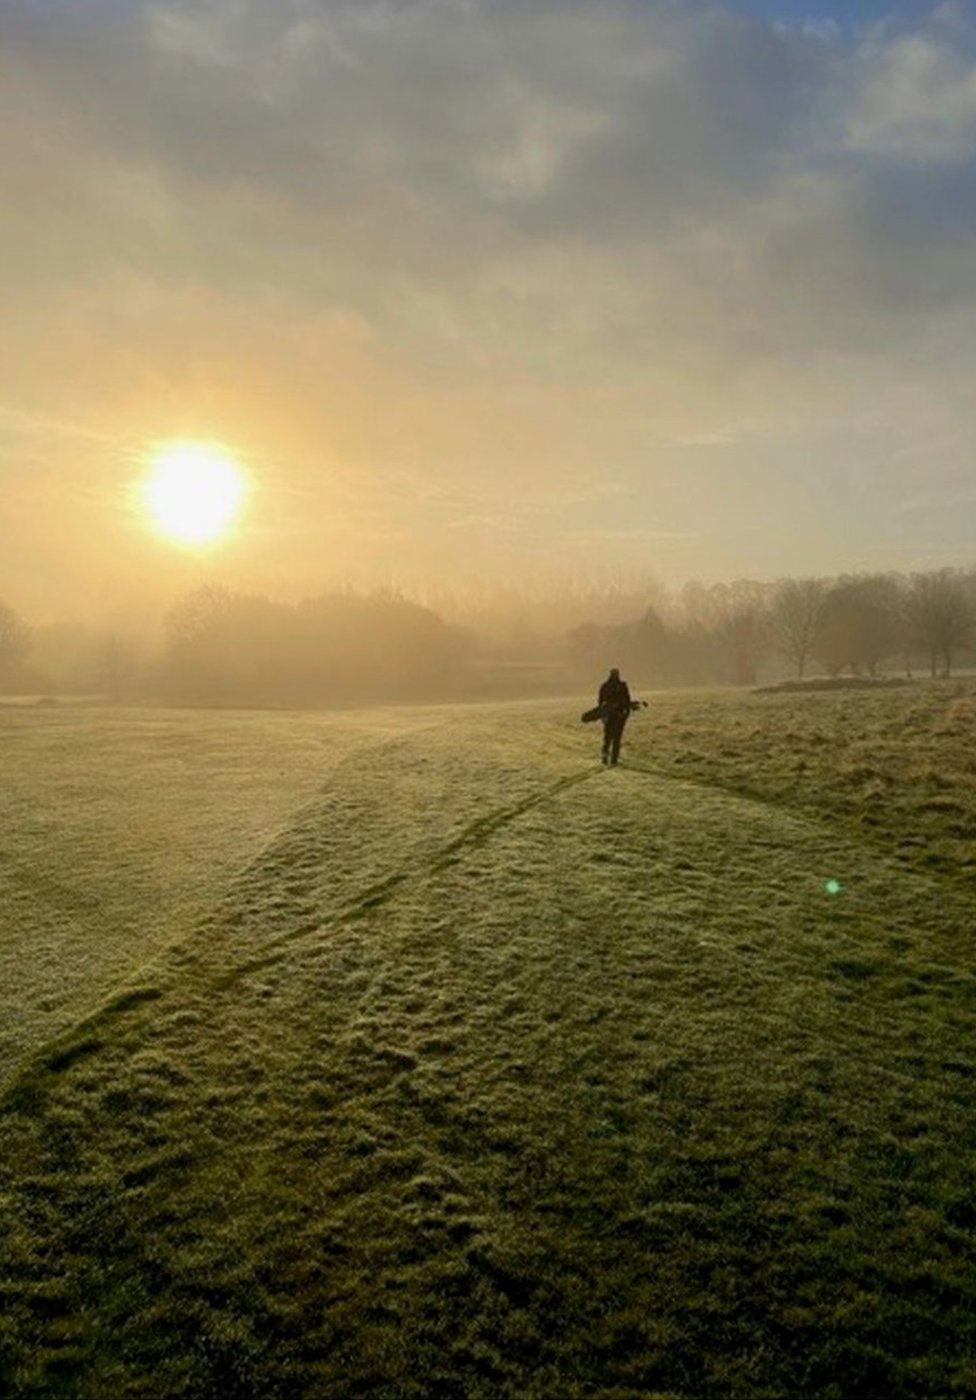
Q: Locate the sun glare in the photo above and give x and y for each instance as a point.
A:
(193, 491)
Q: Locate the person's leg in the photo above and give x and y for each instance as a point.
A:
(618, 734)
(607, 739)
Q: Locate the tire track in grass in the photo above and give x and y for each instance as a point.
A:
(302, 839)
(378, 894)
(119, 829)
(299, 847)
(88, 1036)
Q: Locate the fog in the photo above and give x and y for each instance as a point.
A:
(484, 297)
(217, 646)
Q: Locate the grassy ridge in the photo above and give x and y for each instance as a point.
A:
(895, 768)
(498, 1073)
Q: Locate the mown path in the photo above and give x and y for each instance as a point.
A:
(498, 1073)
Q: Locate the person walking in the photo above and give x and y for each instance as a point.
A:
(615, 702)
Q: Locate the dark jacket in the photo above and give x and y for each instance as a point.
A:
(615, 694)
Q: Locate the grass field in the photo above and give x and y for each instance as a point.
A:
(414, 1053)
(118, 829)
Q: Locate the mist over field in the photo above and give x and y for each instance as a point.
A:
(218, 646)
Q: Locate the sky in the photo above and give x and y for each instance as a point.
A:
(487, 291)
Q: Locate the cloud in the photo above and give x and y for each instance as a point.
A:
(479, 240)
(478, 177)
(917, 102)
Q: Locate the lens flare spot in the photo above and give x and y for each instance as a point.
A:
(833, 886)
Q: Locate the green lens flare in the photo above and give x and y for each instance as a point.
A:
(833, 886)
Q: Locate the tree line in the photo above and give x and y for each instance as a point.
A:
(854, 624)
(222, 647)
(218, 646)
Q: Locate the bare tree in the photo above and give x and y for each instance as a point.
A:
(939, 615)
(726, 625)
(15, 638)
(740, 638)
(793, 616)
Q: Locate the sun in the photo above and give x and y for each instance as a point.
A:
(193, 491)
